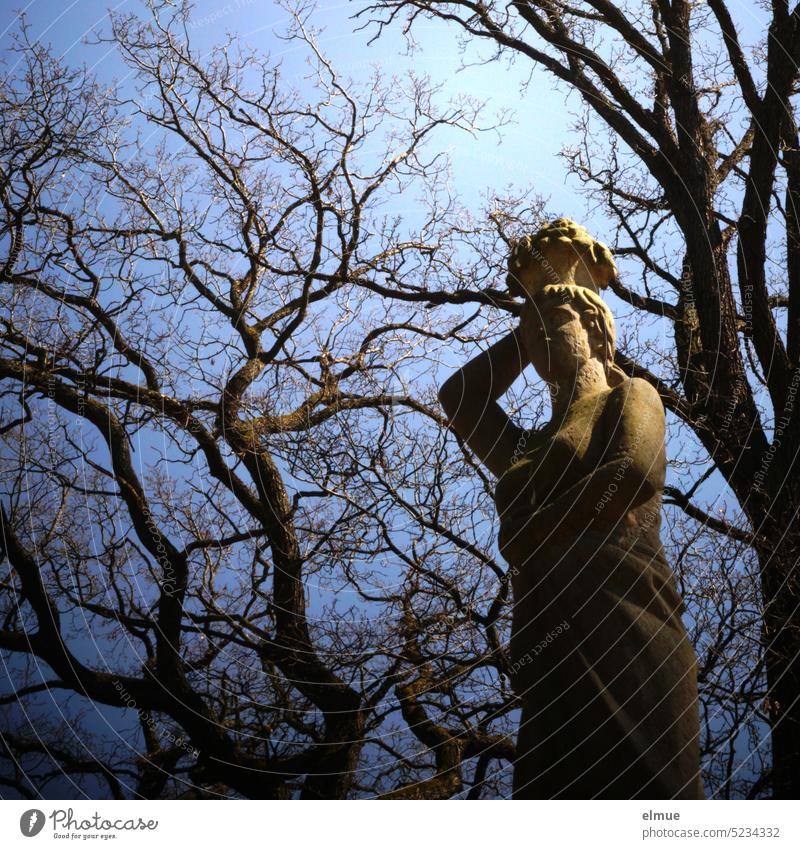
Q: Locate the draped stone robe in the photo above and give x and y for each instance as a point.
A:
(600, 656)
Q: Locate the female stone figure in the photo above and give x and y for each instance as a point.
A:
(600, 657)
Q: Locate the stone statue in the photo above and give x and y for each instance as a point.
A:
(600, 658)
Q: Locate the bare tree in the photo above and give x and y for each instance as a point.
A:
(233, 516)
(687, 137)
(226, 511)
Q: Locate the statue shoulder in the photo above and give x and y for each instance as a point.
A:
(635, 393)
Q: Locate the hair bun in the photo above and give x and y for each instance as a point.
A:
(560, 253)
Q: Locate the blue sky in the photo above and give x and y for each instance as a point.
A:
(525, 155)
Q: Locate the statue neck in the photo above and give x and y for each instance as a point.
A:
(589, 379)
(561, 270)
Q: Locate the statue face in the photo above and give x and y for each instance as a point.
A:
(559, 335)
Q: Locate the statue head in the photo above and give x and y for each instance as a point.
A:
(561, 253)
(566, 325)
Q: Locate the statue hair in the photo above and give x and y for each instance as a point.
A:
(532, 249)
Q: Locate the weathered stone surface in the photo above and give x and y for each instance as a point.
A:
(603, 667)
(601, 661)
(561, 253)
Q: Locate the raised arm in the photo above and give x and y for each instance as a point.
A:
(469, 398)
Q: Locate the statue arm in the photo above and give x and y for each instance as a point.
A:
(469, 399)
(631, 473)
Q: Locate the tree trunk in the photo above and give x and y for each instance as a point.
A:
(781, 636)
